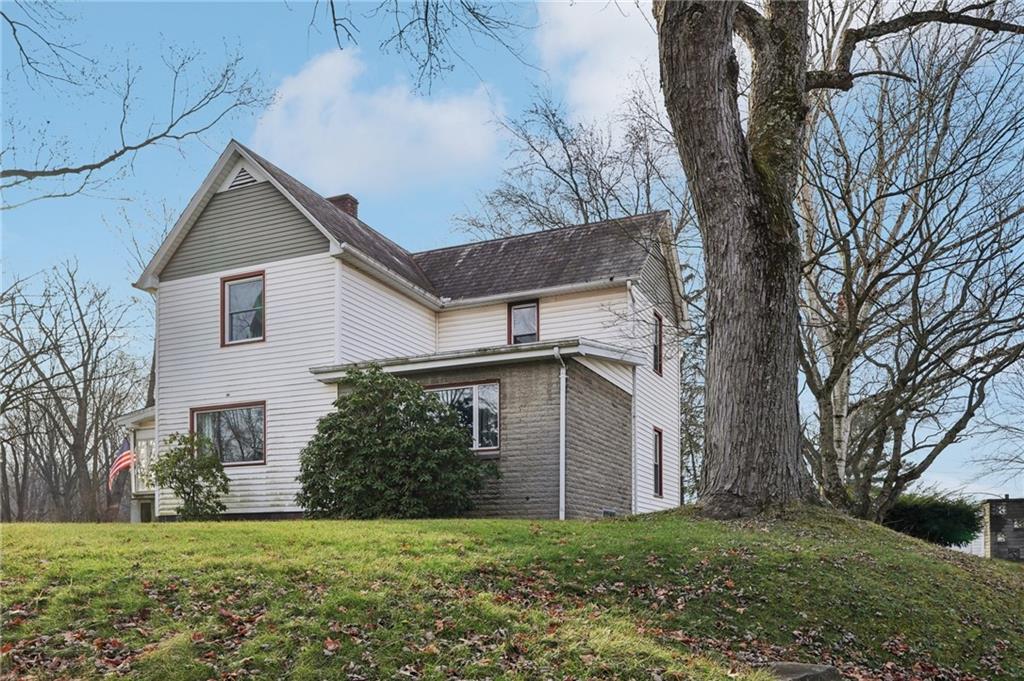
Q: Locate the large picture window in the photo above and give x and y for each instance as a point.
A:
(242, 309)
(477, 406)
(238, 432)
(523, 323)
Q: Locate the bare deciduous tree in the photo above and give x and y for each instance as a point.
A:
(428, 32)
(566, 173)
(743, 180)
(41, 163)
(65, 424)
(912, 200)
(1004, 460)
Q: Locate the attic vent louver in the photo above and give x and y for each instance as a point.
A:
(242, 179)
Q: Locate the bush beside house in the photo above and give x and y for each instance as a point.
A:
(192, 469)
(389, 450)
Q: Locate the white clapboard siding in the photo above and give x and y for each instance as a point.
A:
(657, 404)
(379, 322)
(473, 327)
(598, 315)
(194, 371)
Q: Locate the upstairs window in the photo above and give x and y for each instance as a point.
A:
(477, 406)
(523, 322)
(659, 343)
(659, 463)
(242, 308)
(238, 432)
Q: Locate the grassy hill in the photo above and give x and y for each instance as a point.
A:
(661, 597)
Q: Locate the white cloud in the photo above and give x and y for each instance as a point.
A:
(594, 50)
(343, 134)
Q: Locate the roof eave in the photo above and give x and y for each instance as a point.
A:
(563, 289)
(506, 354)
(668, 244)
(346, 252)
(150, 279)
(137, 417)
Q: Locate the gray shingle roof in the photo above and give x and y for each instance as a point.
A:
(591, 253)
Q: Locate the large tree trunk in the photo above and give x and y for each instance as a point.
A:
(742, 187)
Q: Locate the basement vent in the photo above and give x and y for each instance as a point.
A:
(242, 179)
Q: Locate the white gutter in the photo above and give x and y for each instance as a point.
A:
(504, 354)
(561, 435)
(612, 282)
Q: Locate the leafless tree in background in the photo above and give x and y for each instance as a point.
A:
(565, 173)
(62, 431)
(1005, 460)
(141, 239)
(38, 162)
(911, 201)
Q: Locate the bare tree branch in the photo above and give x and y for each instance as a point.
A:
(841, 76)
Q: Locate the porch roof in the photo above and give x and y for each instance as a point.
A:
(503, 354)
(140, 418)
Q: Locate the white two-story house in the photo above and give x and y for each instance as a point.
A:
(559, 348)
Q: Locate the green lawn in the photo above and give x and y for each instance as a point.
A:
(668, 596)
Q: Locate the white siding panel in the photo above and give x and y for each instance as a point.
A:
(616, 373)
(194, 371)
(657, 404)
(473, 327)
(379, 322)
(598, 315)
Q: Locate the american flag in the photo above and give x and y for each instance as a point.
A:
(123, 460)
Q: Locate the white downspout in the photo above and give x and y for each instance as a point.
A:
(632, 404)
(561, 435)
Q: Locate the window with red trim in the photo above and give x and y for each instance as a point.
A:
(659, 344)
(523, 322)
(659, 463)
(242, 309)
(237, 432)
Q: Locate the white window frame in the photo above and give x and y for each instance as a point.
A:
(225, 322)
(476, 405)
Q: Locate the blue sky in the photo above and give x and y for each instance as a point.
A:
(344, 121)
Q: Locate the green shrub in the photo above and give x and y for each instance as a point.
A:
(192, 469)
(938, 518)
(389, 450)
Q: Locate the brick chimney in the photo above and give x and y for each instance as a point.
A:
(347, 203)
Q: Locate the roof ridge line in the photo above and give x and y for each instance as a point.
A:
(539, 231)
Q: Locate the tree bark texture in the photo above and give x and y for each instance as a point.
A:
(742, 186)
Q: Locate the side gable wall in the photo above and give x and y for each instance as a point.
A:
(240, 230)
(656, 396)
(657, 286)
(244, 227)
